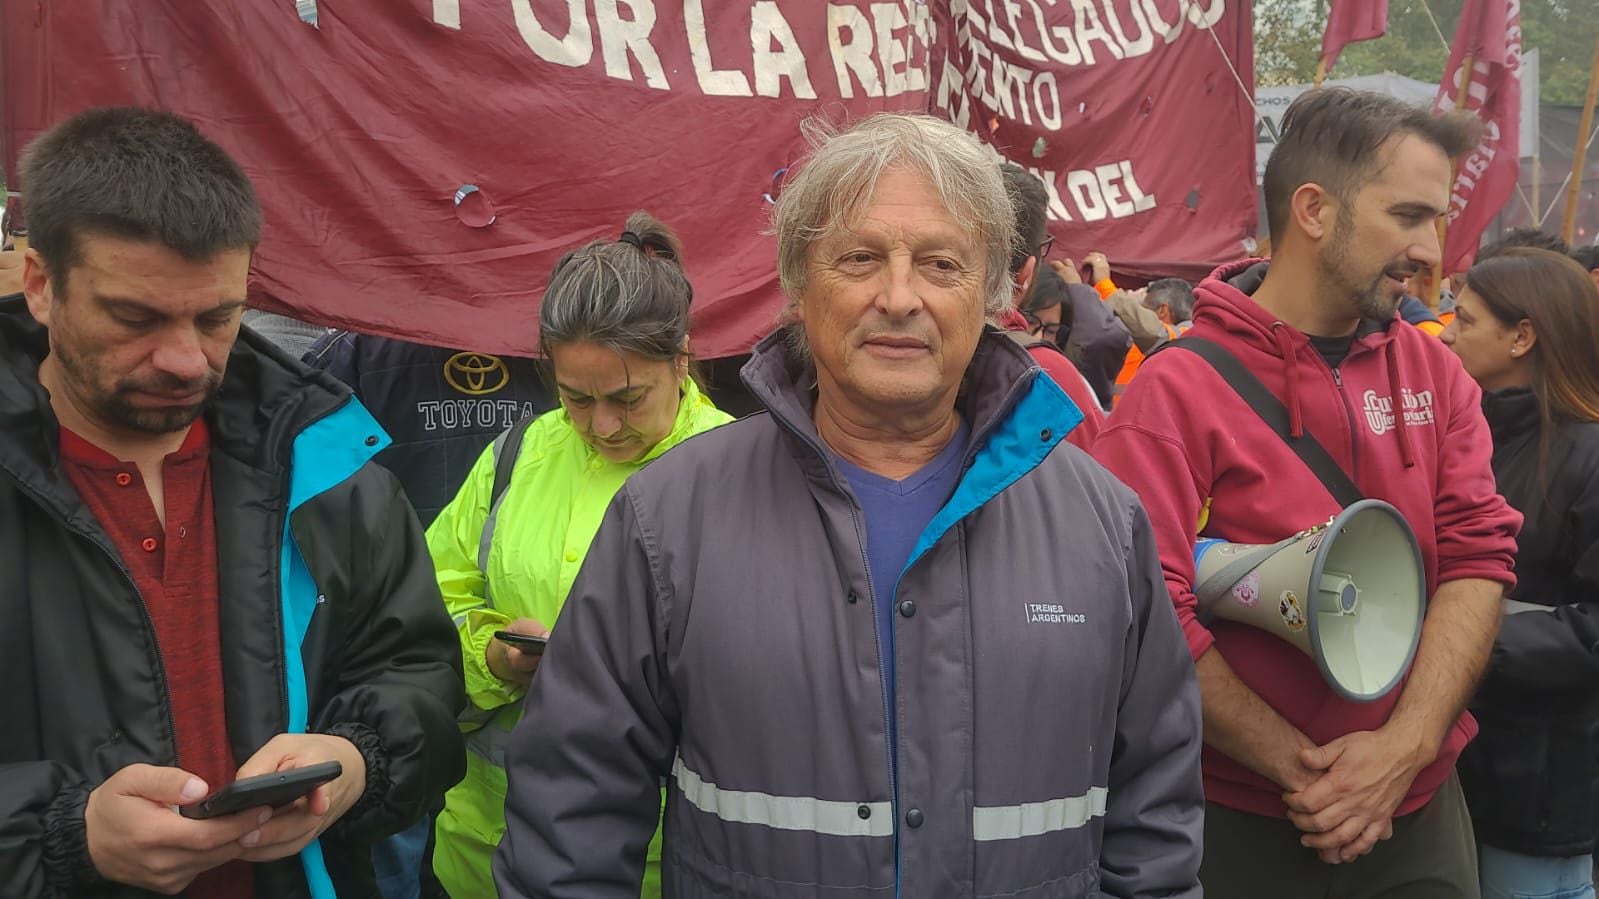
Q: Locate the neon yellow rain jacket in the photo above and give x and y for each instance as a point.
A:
(558, 493)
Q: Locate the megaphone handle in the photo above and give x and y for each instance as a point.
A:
(1223, 580)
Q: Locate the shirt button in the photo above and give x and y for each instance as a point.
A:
(907, 608)
(571, 556)
(124, 479)
(148, 545)
(864, 811)
(914, 818)
(852, 599)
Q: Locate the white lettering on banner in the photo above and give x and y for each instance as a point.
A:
(1379, 410)
(854, 56)
(1084, 190)
(884, 47)
(1104, 191)
(768, 27)
(951, 94)
(1090, 29)
(990, 35)
(620, 37)
(1146, 36)
(574, 51)
(714, 82)
(1050, 119)
(447, 13)
(891, 56)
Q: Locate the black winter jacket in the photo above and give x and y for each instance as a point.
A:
(85, 692)
(1531, 777)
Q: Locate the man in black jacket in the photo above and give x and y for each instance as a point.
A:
(202, 576)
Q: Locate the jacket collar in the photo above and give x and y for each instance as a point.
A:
(998, 375)
(1511, 413)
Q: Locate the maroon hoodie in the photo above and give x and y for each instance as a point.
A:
(1399, 415)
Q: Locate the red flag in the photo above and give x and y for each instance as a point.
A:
(1490, 35)
(1350, 21)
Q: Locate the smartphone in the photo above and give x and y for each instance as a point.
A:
(264, 791)
(525, 642)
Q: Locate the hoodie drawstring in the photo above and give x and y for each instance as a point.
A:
(1406, 451)
(1296, 418)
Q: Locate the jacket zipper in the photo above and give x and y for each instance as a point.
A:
(283, 675)
(1349, 413)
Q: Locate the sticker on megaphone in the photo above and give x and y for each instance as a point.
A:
(1350, 594)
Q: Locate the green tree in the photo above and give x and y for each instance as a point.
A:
(1288, 42)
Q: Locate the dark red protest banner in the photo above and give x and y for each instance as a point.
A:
(1137, 114)
(551, 120)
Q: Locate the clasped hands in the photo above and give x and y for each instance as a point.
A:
(1343, 795)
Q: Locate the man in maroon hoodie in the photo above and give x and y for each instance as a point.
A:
(1298, 779)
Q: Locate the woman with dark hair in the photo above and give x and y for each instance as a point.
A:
(1527, 329)
(614, 326)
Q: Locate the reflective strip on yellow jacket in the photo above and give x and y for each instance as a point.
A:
(559, 490)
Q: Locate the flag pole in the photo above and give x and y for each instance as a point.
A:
(1568, 229)
(1435, 290)
(1537, 185)
(1321, 74)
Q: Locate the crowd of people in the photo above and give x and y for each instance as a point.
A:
(924, 625)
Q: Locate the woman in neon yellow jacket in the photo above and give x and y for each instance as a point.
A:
(614, 325)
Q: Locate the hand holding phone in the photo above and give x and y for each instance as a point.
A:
(513, 655)
(134, 838)
(296, 824)
(273, 790)
(528, 643)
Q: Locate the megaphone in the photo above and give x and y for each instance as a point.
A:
(1350, 594)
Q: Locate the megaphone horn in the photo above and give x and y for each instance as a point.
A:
(1350, 594)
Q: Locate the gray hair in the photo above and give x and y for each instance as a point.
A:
(627, 294)
(835, 186)
(1174, 293)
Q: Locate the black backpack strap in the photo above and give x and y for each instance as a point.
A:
(1274, 414)
(506, 447)
(505, 453)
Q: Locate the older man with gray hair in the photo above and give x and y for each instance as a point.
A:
(838, 630)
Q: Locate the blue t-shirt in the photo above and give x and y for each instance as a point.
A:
(896, 513)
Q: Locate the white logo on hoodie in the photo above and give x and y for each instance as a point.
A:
(1380, 410)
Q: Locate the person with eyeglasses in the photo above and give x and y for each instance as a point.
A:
(1040, 316)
